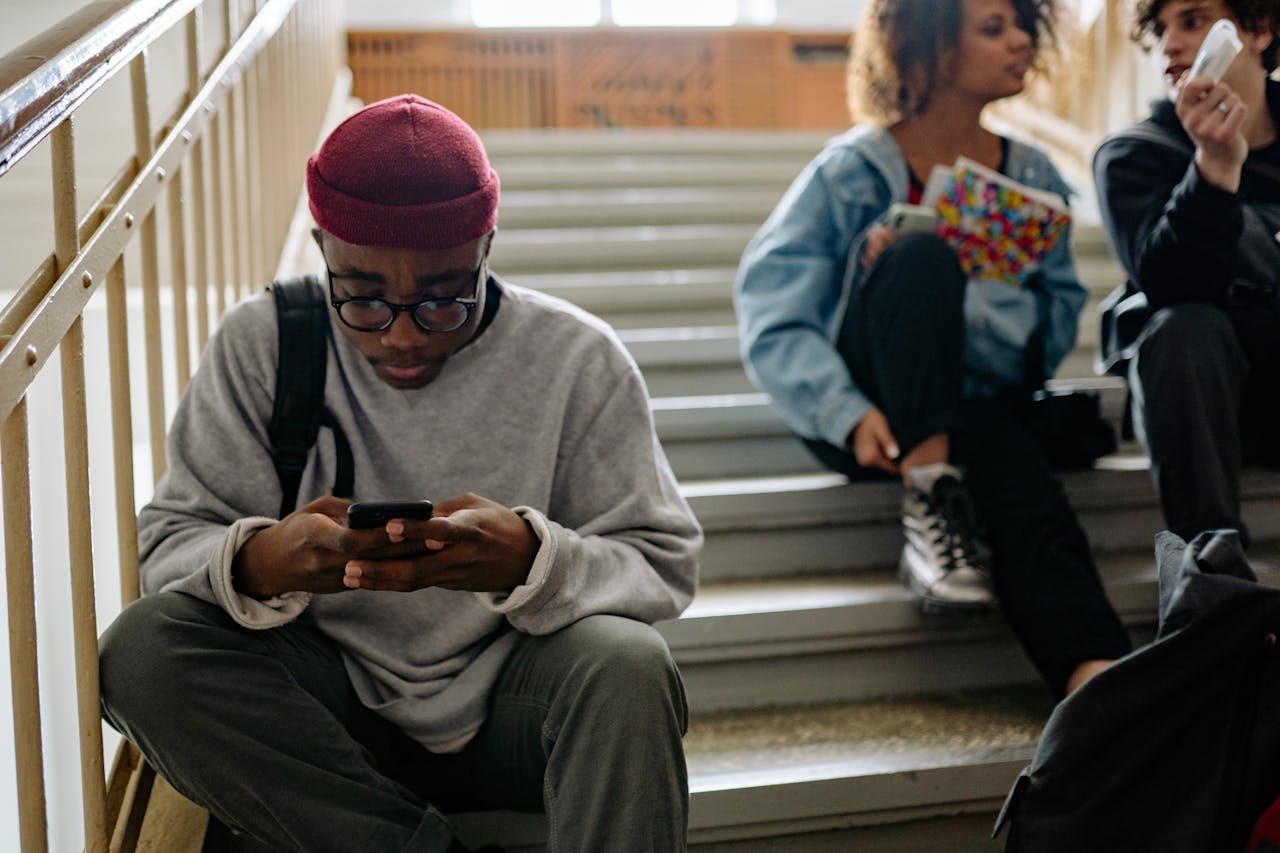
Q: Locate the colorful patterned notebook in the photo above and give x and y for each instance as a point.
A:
(999, 228)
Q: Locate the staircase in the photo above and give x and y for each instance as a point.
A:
(828, 713)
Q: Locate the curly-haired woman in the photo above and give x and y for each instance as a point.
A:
(885, 358)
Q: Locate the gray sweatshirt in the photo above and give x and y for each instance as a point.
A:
(544, 412)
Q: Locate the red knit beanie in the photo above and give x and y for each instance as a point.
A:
(403, 173)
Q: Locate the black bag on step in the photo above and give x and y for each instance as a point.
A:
(1176, 747)
(1067, 422)
(1069, 425)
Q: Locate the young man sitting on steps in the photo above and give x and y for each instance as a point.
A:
(320, 688)
(1190, 198)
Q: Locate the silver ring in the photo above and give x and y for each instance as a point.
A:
(1223, 108)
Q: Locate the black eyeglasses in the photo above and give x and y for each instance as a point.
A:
(367, 314)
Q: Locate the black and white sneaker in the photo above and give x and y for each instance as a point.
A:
(940, 562)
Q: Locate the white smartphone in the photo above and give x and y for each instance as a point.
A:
(911, 218)
(1217, 51)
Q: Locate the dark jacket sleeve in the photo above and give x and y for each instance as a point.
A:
(1175, 234)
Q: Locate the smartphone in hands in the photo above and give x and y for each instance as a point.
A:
(363, 515)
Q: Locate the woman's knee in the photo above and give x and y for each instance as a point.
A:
(920, 266)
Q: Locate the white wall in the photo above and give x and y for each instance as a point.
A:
(26, 18)
(374, 14)
(819, 15)
(806, 15)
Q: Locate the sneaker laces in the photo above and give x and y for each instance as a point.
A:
(954, 518)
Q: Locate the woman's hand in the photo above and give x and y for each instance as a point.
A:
(471, 543)
(1213, 116)
(873, 444)
(878, 239)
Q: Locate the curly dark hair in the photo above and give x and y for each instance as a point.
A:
(1253, 15)
(897, 53)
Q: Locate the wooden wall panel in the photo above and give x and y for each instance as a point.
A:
(818, 63)
(491, 80)
(758, 74)
(701, 78)
(639, 79)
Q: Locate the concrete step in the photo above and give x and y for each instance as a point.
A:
(728, 435)
(811, 524)
(688, 360)
(511, 145)
(742, 435)
(645, 298)
(701, 296)
(1099, 271)
(684, 361)
(549, 250)
(877, 776)
(859, 635)
(890, 775)
(645, 170)
(597, 245)
(636, 206)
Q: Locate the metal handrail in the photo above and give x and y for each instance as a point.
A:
(46, 79)
(220, 168)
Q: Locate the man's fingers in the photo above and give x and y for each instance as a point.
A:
(330, 506)
(379, 574)
(458, 527)
(452, 506)
(395, 575)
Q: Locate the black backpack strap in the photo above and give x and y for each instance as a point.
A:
(344, 477)
(302, 316)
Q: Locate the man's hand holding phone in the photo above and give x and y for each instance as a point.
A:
(471, 543)
(1211, 112)
(307, 551)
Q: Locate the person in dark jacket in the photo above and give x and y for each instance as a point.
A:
(1190, 198)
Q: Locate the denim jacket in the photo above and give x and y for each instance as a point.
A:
(798, 272)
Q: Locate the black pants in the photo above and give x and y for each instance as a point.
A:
(1205, 403)
(903, 341)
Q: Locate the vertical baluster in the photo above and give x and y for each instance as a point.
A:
(252, 133)
(150, 271)
(122, 432)
(199, 177)
(221, 241)
(178, 259)
(236, 180)
(236, 192)
(20, 588)
(266, 151)
(288, 120)
(75, 428)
